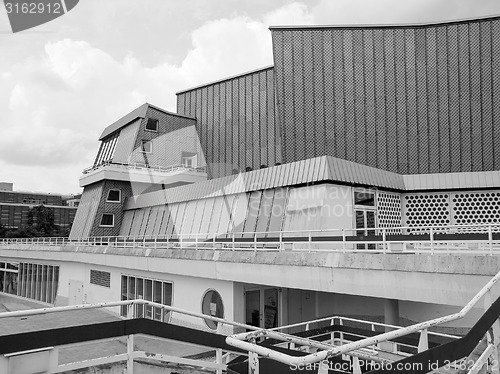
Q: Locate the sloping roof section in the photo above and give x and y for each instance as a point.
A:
(319, 169)
(126, 119)
(136, 113)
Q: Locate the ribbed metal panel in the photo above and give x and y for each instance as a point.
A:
(495, 64)
(137, 222)
(319, 169)
(86, 212)
(128, 218)
(189, 215)
(145, 221)
(253, 211)
(216, 215)
(126, 141)
(239, 212)
(207, 216)
(408, 99)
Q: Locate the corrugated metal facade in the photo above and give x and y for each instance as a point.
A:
(314, 170)
(236, 121)
(412, 100)
(126, 142)
(87, 210)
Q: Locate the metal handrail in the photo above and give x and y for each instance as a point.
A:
(139, 165)
(31, 312)
(382, 238)
(239, 340)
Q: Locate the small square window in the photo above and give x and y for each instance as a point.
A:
(108, 220)
(114, 196)
(152, 125)
(147, 147)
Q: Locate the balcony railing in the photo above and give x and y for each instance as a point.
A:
(143, 166)
(456, 239)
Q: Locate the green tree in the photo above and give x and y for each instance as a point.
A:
(41, 219)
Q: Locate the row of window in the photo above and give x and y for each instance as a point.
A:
(147, 289)
(151, 125)
(161, 292)
(34, 281)
(108, 219)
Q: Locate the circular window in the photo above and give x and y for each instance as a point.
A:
(212, 305)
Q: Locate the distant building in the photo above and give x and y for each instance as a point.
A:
(15, 206)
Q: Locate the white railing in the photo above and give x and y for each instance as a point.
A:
(247, 341)
(142, 166)
(456, 239)
(364, 325)
(220, 363)
(218, 366)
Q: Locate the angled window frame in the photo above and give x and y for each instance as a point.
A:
(143, 149)
(154, 121)
(108, 200)
(102, 219)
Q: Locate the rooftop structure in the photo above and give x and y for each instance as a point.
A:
(358, 176)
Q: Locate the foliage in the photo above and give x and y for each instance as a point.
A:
(40, 223)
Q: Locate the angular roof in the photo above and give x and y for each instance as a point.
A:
(385, 26)
(319, 169)
(139, 112)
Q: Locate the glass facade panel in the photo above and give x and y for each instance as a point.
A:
(139, 312)
(148, 289)
(124, 295)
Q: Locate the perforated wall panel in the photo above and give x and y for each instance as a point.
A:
(389, 210)
(427, 209)
(472, 208)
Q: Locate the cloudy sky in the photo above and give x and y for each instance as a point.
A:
(63, 82)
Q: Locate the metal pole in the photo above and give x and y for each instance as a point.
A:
(253, 363)
(130, 354)
(431, 234)
(490, 239)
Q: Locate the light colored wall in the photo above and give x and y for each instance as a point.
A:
(187, 291)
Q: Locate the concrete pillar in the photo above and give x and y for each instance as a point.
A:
(391, 312)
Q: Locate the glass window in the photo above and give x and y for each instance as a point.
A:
(166, 300)
(157, 299)
(55, 284)
(124, 295)
(147, 147)
(148, 295)
(365, 198)
(114, 196)
(212, 305)
(152, 124)
(147, 289)
(50, 275)
(108, 220)
(43, 294)
(139, 311)
(38, 282)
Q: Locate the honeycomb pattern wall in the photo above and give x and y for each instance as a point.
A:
(472, 208)
(389, 210)
(408, 99)
(427, 209)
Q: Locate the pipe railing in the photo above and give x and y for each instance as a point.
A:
(241, 341)
(141, 166)
(474, 239)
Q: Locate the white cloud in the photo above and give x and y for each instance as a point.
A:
(341, 12)
(59, 102)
